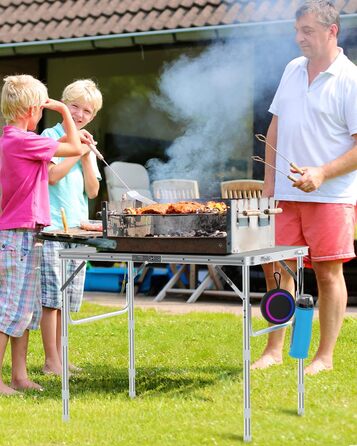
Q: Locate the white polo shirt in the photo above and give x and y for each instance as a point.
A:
(315, 126)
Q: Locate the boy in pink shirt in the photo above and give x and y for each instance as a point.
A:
(24, 158)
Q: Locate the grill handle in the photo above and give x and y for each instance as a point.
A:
(273, 211)
(257, 212)
(252, 212)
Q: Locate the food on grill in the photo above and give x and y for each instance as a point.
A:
(181, 207)
(216, 206)
(153, 209)
(185, 207)
(91, 225)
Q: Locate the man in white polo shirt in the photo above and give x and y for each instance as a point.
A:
(314, 124)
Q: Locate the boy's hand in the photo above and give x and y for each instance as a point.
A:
(85, 149)
(52, 104)
(86, 137)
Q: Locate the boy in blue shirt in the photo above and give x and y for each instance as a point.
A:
(71, 182)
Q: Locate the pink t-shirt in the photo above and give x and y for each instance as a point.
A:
(24, 158)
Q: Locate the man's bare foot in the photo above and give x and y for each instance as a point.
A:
(6, 390)
(265, 361)
(316, 367)
(75, 369)
(25, 384)
(47, 370)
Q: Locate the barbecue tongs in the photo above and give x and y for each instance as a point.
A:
(131, 193)
(263, 139)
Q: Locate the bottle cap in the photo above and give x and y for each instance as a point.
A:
(305, 301)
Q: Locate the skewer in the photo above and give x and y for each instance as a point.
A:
(260, 160)
(263, 139)
(101, 157)
(132, 193)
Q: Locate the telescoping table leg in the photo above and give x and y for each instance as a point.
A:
(246, 352)
(131, 328)
(301, 387)
(64, 340)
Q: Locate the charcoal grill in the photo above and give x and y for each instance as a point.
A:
(248, 224)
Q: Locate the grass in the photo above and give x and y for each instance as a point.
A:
(189, 389)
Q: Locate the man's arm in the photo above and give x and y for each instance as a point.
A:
(269, 173)
(314, 176)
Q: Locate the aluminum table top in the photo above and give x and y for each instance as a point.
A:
(250, 258)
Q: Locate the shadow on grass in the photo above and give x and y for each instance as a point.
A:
(153, 381)
(232, 437)
(291, 412)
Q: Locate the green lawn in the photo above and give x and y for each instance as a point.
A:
(189, 389)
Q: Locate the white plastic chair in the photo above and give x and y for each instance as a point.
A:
(137, 178)
(133, 174)
(174, 189)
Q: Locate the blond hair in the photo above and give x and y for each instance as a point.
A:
(19, 93)
(83, 90)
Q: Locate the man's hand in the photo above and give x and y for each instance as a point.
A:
(311, 180)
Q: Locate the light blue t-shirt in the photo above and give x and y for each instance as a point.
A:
(69, 192)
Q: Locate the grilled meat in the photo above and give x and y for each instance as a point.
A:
(185, 207)
(159, 208)
(181, 207)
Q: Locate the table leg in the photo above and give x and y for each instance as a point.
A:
(301, 392)
(64, 343)
(131, 328)
(246, 352)
(300, 383)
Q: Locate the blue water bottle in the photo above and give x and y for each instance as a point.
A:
(302, 327)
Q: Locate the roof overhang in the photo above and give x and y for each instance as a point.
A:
(180, 35)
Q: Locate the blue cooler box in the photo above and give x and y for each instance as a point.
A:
(104, 279)
(111, 278)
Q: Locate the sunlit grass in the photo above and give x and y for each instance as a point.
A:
(189, 388)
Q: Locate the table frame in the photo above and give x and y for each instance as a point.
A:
(244, 260)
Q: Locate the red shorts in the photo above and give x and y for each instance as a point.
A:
(326, 228)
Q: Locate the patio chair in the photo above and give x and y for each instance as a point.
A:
(237, 189)
(133, 174)
(137, 178)
(175, 189)
(234, 189)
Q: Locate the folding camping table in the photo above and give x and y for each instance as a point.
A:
(243, 260)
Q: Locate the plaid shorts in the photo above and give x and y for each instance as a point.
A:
(51, 281)
(20, 304)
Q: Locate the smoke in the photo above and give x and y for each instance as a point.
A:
(209, 97)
